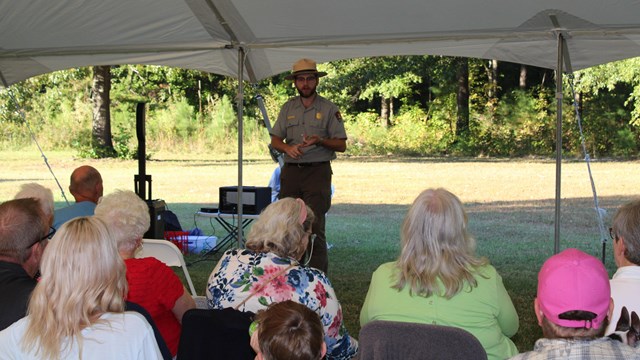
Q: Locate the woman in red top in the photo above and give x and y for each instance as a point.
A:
(152, 284)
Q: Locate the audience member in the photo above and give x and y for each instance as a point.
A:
(288, 331)
(23, 237)
(40, 193)
(76, 310)
(152, 284)
(269, 271)
(85, 185)
(625, 283)
(438, 279)
(573, 307)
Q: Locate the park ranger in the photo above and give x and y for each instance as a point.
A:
(309, 130)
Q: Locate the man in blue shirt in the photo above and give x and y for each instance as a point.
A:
(86, 188)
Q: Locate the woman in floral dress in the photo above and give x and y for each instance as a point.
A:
(269, 271)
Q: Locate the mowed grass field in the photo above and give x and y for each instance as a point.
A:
(510, 204)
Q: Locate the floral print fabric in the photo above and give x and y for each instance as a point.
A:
(239, 273)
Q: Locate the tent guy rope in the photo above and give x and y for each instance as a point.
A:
(33, 137)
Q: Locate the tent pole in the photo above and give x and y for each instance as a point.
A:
(556, 238)
(239, 101)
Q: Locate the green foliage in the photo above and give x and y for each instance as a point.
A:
(519, 126)
(195, 111)
(625, 143)
(608, 77)
(411, 135)
(185, 124)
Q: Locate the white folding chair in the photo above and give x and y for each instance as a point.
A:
(168, 253)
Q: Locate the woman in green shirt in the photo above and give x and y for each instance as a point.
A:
(438, 279)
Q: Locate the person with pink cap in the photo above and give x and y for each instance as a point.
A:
(573, 307)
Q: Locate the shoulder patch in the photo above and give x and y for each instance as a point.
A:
(338, 116)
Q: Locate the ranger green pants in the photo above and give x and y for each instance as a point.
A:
(312, 183)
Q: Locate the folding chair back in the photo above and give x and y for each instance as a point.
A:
(215, 334)
(389, 340)
(168, 253)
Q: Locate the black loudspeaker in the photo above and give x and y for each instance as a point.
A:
(156, 211)
(254, 199)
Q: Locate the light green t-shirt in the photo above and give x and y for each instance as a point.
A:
(486, 311)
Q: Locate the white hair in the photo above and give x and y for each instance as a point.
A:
(40, 193)
(127, 216)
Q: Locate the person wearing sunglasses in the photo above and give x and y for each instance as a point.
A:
(77, 309)
(625, 283)
(24, 233)
(272, 269)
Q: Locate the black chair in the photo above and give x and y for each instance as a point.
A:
(215, 334)
(162, 345)
(389, 340)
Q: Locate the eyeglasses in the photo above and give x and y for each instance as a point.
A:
(306, 78)
(612, 234)
(52, 232)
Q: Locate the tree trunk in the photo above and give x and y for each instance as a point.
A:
(101, 129)
(523, 77)
(462, 74)
(384, 111)
(493, 79)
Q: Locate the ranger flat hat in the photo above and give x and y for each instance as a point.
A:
(304, 66)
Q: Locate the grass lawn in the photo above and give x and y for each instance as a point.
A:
(510, 205)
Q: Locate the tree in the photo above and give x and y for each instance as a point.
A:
(101, 126)
(522, 80)
(462, 77)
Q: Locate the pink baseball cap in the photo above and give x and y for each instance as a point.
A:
(573, 280)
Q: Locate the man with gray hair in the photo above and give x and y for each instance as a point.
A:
(23, 237)
(86, 187)
(625, 283)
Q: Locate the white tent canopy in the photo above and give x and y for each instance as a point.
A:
(40, 36)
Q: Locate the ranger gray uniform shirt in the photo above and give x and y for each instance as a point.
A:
(322, 118)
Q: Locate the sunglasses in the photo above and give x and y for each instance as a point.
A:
(49, 235)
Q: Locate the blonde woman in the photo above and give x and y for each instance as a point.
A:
(438, 279)
(269, 271)
(152, 284)
(76, 310)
